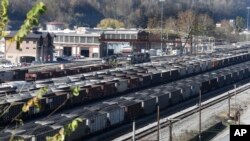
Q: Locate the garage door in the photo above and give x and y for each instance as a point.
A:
(27, 59)
(67, 51)
(85, 52)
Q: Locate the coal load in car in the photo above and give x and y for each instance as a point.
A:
(166, 75)
(54, 100)
(78, 133)
(14, 109)
(162, 99)
(121, 85)
(133, 109)
(145, 79)
(175, 94)
(155, 77)
(148, 103)
(93, 92)
(185, 88)
(174, 74)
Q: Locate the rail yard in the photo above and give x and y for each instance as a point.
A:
(110, 97)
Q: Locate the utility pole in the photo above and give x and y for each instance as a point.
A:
(158, 122)
(235, 100)
(229, 112)
(162, 25)
(200, 115)
(170, 131)
(133, 130)
(171, 128)
(248, 8)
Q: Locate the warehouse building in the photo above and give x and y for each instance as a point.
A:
(97, 43)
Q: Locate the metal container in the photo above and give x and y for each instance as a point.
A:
(133, 109)
(182, 70)
(133, 82)
(174, 74)
(186, 90)
(214, 83)
(197, 68)
(121, 85)
(93, 92)
(175, 94)
(155, 77)
(162, 99)
(189, 68)
(166, 75)
(115, 114)
(145, 79)
(81, 98)
(108, 88)
(205, 83)
(54, 100)
(79, 132)
(13, 111)
(148, 103)
(95, 121)
(203, 65)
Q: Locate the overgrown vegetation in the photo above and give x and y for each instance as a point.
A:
(134, 13)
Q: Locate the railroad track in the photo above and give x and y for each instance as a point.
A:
(164, 124)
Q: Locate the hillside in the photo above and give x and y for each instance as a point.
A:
(134, 13)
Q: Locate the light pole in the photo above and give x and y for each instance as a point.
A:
(161, 24)
(248, 18)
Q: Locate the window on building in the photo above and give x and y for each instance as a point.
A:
(71, 39)
(96, 40)
(34, 48)
(89, 39)
(66, 39)
(133, 36)
(128, 36)
(112, 36)
(117, 36)
(106, 36)
(61, 38)
(123, 36)
(83, 39)
(27, 42)
(56, 39)
(27, 47)
(77, 39)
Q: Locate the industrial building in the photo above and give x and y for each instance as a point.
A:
(96, 43)
(37, 46)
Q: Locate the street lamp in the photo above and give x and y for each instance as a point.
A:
(248, 18)
(161, 24)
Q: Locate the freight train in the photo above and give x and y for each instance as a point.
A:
(105, 84)
(103, 115)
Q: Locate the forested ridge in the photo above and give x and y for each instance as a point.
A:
(134, 13)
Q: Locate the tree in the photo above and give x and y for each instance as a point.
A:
(239, 23)
(110, 23)
(206, 24)
(3, 17)
(185, 21)
(171, 25)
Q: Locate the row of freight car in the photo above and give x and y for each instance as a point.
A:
(176, 66)
(25, 74)
(103, 115)
(106, 85)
